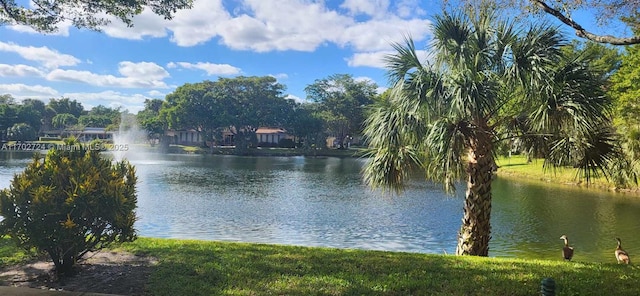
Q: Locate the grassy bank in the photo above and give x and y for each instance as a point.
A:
(518, 167)
(219, 268)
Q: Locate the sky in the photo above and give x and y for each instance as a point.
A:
(295, 41)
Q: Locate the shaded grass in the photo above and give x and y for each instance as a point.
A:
(220, 268)
(188, 267)
(518, 167)
(10, 254)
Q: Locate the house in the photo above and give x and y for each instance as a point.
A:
(87, 134)
(268, 136)
(184, 137)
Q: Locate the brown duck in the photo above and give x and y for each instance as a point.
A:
(621, 255)
(567, 251)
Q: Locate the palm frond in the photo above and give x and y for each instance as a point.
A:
(447, 141)
(404, 61)
(591, 154)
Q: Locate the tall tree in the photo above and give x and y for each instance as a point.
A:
(342, 101)
(64, 120)
(101, 116)
(194, 106)
(66, 105)
(240, 105)
(149, 118)
(44, 16)
(625, 92)
(491, 81)
(604, 11)
(307, 125)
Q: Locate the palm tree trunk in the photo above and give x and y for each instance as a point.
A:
(475, 233)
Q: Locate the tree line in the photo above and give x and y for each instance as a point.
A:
(335, 106)
(31, 118)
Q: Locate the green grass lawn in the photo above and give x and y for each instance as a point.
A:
(220, 268)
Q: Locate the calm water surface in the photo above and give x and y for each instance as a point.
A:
(323, 202)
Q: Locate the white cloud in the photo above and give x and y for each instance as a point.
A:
(279, 76)
(210, 68)
(380, 34)
(199, 24)
(134, 75)
(113, 99)
(367, 7)
(296, 98)
(368, 59)
(147, 24)
(47, 57)
(408, 8)
(364, 79)
(381, 89)
(155, 93)
(103, 80)
(298, 25)
(142, 70)
(63, 29)
(21, 91)
(376, 59)
(19, 71)
(190, 27)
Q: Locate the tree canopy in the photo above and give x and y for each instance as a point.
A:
(604, 11)
(240, 104)
(45, 16)
(342, 101)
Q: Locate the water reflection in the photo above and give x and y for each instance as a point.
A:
(323, 202)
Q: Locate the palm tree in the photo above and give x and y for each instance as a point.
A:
(490, 82)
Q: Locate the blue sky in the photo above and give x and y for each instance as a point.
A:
(296, 41)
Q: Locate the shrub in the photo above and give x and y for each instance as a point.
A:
(286, 143)
(69, 203)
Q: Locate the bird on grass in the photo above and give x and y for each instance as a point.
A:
(621, 255)
(567, 251)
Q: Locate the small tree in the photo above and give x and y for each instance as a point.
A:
(69, 203)
(21, 132)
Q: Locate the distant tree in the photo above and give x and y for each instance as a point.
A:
(149, 118)
(44, 16)
(7, 99)
(70, 203)
(39, 110)
(240, 105)
(29, 115)
(64, 120)
(65, 105)
(251, 102)
(194, 106)
(22, 132)
(8, 117)
(307, 125)
(91, 120)
(342, 100)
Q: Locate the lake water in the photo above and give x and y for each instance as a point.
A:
(323, 202)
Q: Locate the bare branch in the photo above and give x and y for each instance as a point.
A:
(581, 32)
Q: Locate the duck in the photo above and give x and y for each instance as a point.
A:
(621, 255)
(567, 251)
